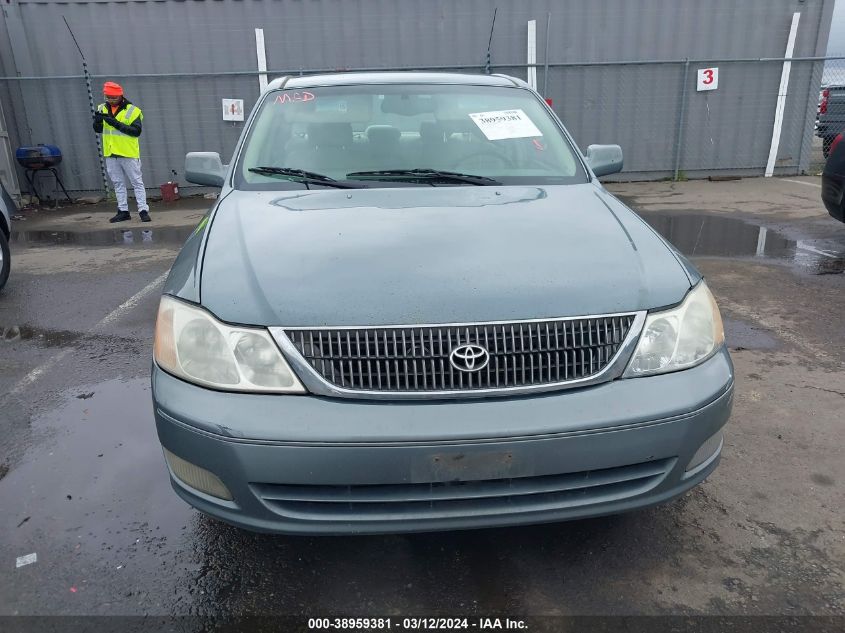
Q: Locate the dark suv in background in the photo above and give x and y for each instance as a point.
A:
(831, 119)
(833, 179)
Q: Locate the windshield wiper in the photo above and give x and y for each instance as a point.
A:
(422, 174)
(305, 177)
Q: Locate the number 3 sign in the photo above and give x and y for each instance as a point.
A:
(708, 79)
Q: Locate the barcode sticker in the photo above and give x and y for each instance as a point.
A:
(503, 124)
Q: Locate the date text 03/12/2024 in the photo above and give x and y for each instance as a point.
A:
(416, 624)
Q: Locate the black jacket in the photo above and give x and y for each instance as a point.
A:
(132, 130)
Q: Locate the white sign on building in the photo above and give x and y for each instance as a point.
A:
(233, 109)
(708, 79)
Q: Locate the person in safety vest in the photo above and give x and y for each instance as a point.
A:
(119, 121)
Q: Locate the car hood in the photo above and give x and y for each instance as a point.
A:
(432, 255)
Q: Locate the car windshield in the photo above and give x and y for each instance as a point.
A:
(405, 135)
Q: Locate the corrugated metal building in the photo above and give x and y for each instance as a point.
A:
(172, 56)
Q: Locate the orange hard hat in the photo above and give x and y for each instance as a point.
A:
(111, 89)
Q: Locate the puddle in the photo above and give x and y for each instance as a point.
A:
(708, 235)
(695, 235)
(698, 235)
(93, 478)
(741, 335)
(166, 236)
(832, 266)
(90, 345)
(49, 338)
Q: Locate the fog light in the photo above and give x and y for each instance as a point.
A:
(196, 477)
(706, 451)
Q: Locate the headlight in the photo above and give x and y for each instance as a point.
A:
(193, 345)
(679, 338)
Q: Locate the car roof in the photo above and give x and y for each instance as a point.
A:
(356, 79)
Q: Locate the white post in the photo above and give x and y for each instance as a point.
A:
(8, 174)
(532, 53)
(782, 92)
(261, 54)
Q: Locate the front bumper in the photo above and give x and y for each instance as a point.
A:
(302, 464)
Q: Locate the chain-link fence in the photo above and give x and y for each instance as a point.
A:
(665, 123)
(630, 73)
(181, 114)
(670, 122)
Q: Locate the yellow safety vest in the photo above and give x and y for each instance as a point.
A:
(115, 142)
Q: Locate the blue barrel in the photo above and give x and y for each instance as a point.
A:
(38, 156)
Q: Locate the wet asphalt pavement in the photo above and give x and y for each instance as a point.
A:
(83, 484)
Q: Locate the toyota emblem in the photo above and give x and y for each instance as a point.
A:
(469, 357)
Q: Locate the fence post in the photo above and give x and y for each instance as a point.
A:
(681, 116)
(780, 107)
(8, 175)
(805, 156)
(546, 58)
(93, 107)
(261, 55)
(531, 56)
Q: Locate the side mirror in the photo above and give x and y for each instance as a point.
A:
(604, 159)
(205, 168)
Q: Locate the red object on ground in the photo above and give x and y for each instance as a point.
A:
(169, 192)
(549, 101)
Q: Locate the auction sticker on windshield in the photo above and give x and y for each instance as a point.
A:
(503, 124)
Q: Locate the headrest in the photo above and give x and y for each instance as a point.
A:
(330, 134)
(383, 134)
(463, 126)
(431, 132)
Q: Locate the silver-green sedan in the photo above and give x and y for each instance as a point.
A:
(414, 307)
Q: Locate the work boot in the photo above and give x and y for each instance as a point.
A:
(145, 217)
(121, 216)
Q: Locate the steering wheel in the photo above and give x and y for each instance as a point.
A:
(481, 159)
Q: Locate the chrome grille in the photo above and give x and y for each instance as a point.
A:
(415, 359)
